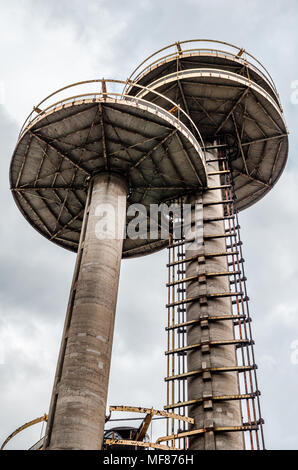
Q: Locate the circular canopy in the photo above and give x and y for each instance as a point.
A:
(224, 103)
(60, 150)
(203, 53)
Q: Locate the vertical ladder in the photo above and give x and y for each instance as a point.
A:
(176, 331)
(177, 347)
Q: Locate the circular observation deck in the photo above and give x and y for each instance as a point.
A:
(228, 94)
(64, 143)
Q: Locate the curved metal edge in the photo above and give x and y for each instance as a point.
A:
(217, 73)
(23, 427)
(104, 95)
(202, 52)
(136, 102)
(212, 41)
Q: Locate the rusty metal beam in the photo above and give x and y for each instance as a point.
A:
(148, 154)
(239, 143)
(123, 442)
(192, 347)
(61, 154)
(78, 113)
(172, 437)
(46, 188)
(141, 433)
(257, 180)
(189, 160)
(24, 160)
(216, 398)
(196, 99)
(103, 137)
(275, 161)
(65, 226)
(27, 203)
(279, 136)
(137, 409)
(43, 418)
(231, 112)
(267, 114)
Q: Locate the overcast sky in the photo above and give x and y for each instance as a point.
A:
(45, 45)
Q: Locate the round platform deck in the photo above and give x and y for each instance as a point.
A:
(203, 53)
(63, 146)
(227, 98)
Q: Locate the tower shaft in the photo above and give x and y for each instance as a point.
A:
(78, 405)
(207, 414)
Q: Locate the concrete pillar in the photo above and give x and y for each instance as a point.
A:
(210, 414)
(78, 407)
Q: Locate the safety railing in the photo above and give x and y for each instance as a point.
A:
(214, 47)
(97, 90)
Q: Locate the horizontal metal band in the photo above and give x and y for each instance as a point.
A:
(218, 219)
(209, 318)
(214, 203)
(212, 370)
(248, 396)
(206, 255)
(208, 296)
(172, 437)
(192, 278)
(191, 347)
(219, 172)
(205, 237)
(223, 186)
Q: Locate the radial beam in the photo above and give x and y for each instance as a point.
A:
(61, 154)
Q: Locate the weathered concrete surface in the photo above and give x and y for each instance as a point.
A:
(79, 400)
(222, 413)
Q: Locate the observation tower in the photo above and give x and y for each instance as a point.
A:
(198, 123)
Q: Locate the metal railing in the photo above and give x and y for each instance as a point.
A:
(116, 91)
(176, 51)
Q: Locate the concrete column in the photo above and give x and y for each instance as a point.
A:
(78, 407)
(210, 414)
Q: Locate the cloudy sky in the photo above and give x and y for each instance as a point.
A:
(45, 45)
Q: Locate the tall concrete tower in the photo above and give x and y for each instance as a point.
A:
(233, 101)
(194, 125)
